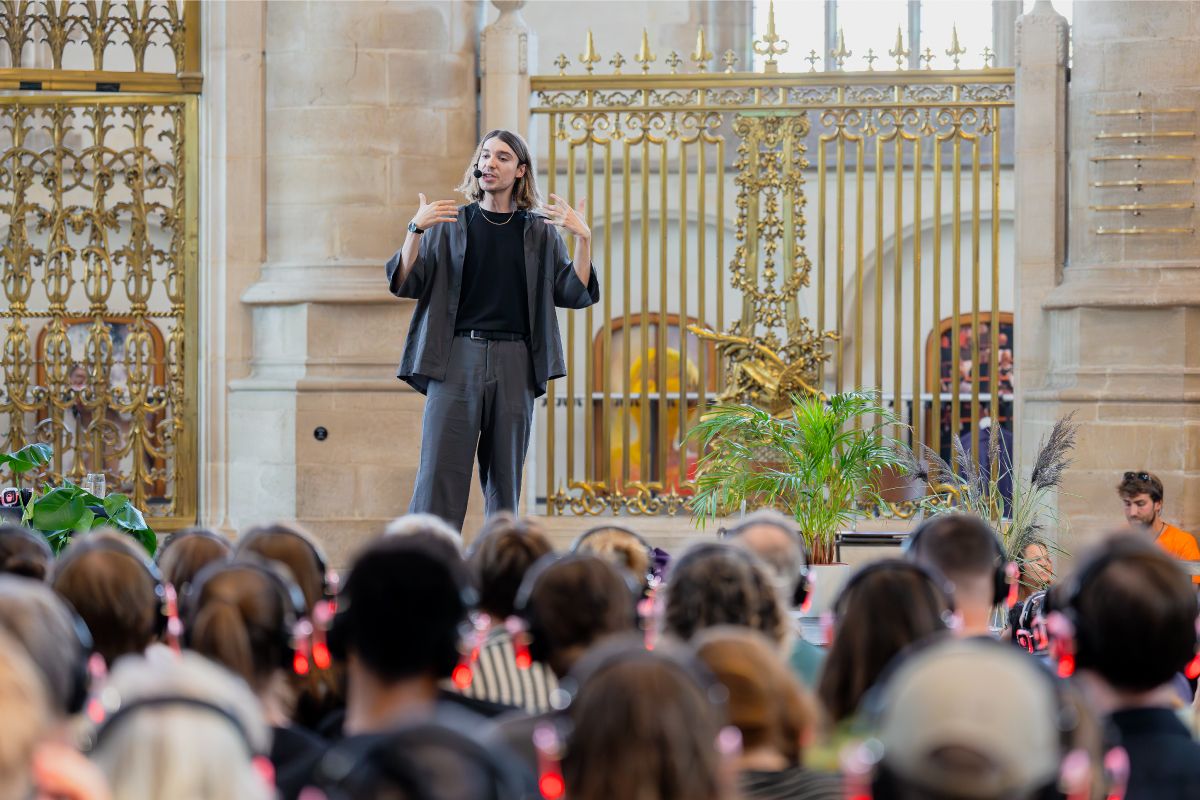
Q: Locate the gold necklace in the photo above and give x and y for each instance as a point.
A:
(510, 216)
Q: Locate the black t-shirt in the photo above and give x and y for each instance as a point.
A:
(494, 287)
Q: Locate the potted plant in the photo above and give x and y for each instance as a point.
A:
(58, 512)
(820, 465)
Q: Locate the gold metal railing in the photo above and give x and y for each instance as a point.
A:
(99, 218)
(904, 154)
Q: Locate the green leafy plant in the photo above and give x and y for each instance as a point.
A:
(62, 510)
(820, 466)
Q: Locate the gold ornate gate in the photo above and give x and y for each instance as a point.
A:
(650, 153)
(98, 188)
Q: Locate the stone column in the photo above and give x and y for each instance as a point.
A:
(1123, 313)
(1004, 33)
(367, 104)
(507, 48)
(1040, 154)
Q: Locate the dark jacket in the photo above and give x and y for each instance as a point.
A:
(436, 280)
(1164, 761)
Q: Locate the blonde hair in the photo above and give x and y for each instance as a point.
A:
(525, 191)
(25, 711)
(179, 751)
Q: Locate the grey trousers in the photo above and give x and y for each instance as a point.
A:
(484, 407)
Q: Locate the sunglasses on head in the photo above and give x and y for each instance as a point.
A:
(1141, 476)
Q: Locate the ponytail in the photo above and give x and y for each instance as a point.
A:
(220, 633)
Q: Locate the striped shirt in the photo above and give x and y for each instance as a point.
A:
(796, 783)
(496, 678)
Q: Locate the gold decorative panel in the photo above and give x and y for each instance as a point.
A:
(99, 230)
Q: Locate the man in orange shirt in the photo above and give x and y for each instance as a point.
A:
(1142, 493)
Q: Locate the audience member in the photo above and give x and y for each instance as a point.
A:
(25, 710)
(570, 603)
(776, 716)
(969, 554)
(716, 583)
(1133, 614)
(774, 538)
(621, 547)
(645, 725)
(108, 579)
(181, 728)
(1036, 570)
(972, 719)
(500, 557)
(24, 552)
(883, 609)
(54, 637)
(187, 552)
(425, 524)
(1142, 494)
(244, 615)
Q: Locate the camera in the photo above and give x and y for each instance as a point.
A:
(11, 497)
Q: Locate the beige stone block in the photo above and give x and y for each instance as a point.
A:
(395, 26)
(245, 210)
(371, 232)
(1118, 447)
(403, 402)
(343, 539)
(1145, 19)
(384, 491)
(354, 132)
(461, 137)
(286, 26)
(435, 177)
(327, 78)
(300, 232)
(431, 80)
(384, 438)
(355, 331)
(327, 489)
(332, 180)
(1129, 62)
(1115, 337)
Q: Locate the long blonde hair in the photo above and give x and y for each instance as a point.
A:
(525, 190)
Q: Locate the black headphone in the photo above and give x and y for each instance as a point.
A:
(599, 529)
(290, 595)
(329, 577)
(803, 585)
(539, 649)
(1001, 580)
(81, 676)
(91, 545)
(885, 785)
(92, 740)
(932, 576)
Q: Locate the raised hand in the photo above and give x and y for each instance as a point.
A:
(563, 216)
(430, 214)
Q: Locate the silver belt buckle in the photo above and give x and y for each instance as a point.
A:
(477, 338)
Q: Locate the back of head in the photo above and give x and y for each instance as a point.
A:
(773, 537)
(504, 552)
(619, 547)
(1135, 613)
(293, 547)
(184, 727)
(24, 552)
(39, 619)
(105, 577)
(187, 552)
(766, 702)
(238, 617)
(964, 549)
(885, 608)
(400, 611)
(720, 584)
(24, 709)
(427, 524)
(970, 718)
(644, 728)
(573, 602)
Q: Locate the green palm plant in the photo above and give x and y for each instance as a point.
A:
(819, 466)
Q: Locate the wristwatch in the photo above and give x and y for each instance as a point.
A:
(412, 227)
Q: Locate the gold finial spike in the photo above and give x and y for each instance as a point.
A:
(730, 58)
(870, 58)
(673, 61)
(955, 49)
(616, 62)
(812, 58)
(589, 56)
(988, 57)
(928, 58)
(840, 52)
(702, 55)
(770, 43)
(562, 62)
(644, 56)
(898, 52)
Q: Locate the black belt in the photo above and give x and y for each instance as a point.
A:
(492, 335)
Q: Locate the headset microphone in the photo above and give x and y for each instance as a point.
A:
(478, 172)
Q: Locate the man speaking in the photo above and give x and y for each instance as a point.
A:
(484, 338)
